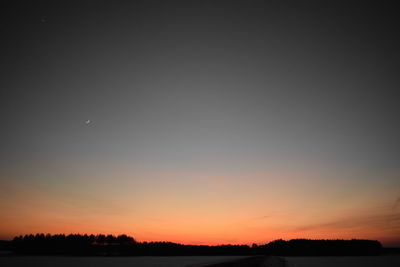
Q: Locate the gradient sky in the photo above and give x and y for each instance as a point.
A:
(210, 121)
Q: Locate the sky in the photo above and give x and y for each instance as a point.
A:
(201, 122)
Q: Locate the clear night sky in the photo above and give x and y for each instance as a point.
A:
(200, 121)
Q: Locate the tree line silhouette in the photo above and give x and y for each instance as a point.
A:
(123, 245)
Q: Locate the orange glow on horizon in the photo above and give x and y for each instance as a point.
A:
(204, 209)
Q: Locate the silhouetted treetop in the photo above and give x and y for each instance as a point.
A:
(76, 244)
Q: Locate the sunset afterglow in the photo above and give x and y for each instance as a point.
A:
(200, 122)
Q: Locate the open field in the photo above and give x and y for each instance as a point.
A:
(364, 261)
(196, 261)
(51, 261)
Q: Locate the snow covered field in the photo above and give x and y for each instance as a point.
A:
(48, 261)
(369, 261)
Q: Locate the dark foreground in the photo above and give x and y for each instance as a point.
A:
(201, 261)
(348, 261)
(101, 245)
(257, 261)
(249, 261)
(178, 261)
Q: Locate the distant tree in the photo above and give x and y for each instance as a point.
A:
(124, 239)
(76, 244)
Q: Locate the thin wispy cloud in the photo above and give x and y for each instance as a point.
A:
(396, 204)
(378, 221)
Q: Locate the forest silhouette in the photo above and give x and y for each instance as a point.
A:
(123, 245)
